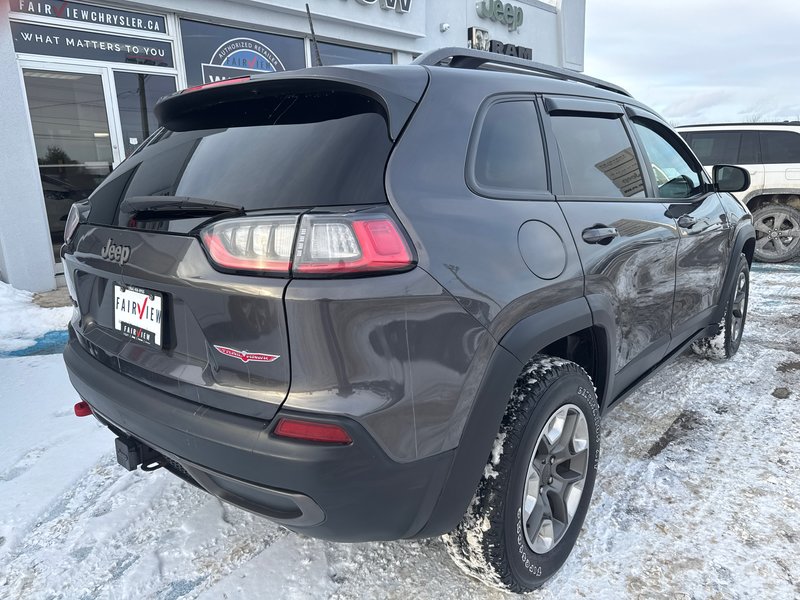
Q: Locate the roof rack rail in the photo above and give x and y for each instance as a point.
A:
(468, 58)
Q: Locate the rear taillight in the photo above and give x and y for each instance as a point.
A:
(73, 219)
(333, 245)
(262, 244)
(320, 245)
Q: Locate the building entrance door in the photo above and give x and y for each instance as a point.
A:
(85, 121)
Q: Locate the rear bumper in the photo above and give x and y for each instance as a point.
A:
(344, 493)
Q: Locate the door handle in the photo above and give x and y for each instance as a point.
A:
(599, 234)
(687, 221)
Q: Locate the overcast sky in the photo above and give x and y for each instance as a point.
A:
(700, 61)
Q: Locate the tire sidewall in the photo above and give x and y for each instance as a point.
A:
(732, 345)
(534, 569)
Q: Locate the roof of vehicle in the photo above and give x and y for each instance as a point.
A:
(391, 83)
(722, 126)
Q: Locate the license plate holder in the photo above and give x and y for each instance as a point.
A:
(139, 314)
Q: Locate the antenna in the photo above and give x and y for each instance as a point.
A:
(313, 37)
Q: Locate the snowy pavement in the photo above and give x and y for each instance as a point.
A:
(698, 496)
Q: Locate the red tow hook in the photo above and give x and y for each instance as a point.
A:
(82, 409)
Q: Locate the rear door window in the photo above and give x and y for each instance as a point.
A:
(724, 147)
(780, 147)
(597, 157)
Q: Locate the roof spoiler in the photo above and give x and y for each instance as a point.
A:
(397, 93)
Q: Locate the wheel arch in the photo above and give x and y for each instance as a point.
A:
(744, 243)
(789, 196)
(567, 331)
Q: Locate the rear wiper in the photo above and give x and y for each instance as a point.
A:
(175, 207)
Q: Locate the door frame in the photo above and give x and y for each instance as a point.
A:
(106, 72)
(114, 131)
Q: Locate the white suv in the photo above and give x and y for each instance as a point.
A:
(771, 153)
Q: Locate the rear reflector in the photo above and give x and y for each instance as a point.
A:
(82, 409)
(312, 432)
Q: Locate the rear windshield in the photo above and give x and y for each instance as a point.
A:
(322, 149)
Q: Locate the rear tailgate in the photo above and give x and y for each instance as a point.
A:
(279, 146)
(199, 311)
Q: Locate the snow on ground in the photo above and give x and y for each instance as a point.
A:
(21, 321)
(698, 496)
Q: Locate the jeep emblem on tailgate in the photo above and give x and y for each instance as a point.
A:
(115, 252)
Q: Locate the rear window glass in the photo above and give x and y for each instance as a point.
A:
(301, 152)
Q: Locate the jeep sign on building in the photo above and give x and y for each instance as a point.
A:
(78, 80)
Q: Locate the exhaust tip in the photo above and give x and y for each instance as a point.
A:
(82, 409)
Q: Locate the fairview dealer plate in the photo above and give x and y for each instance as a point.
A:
(138, 313)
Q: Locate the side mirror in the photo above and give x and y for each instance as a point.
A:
(728, 178)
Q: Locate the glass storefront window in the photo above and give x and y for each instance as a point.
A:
(217, 52)
(336, 54)
(71, 133)
(137, 94)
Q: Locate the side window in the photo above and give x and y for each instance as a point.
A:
(716, 147)
(510, 152)
(675, 176)
(780, 147)
(597, 157)
(724, 147)
(748, 150)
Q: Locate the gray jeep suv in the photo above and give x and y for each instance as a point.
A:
(384, 302)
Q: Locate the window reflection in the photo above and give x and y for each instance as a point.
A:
(73, 146)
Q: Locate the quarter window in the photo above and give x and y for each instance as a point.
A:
(675, 176)
(510, 150)
(597, 157)
(780, 147)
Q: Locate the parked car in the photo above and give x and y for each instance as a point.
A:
(386, 302)
(771, 154)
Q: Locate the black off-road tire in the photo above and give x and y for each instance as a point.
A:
(725, 342)
(489, 543)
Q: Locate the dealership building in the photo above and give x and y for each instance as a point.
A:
(78, 80)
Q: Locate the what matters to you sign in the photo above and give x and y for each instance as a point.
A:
(67, 43)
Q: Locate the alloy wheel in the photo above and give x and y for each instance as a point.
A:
(739, 307)
(555, 478)
(777, 234)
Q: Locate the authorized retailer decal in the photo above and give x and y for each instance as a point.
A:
(240, 56)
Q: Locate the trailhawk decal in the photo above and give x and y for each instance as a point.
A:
(245, 356)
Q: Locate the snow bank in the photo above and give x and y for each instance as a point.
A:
(22, 321)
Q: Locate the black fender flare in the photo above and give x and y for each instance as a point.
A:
(746, 232)
(525, 339)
